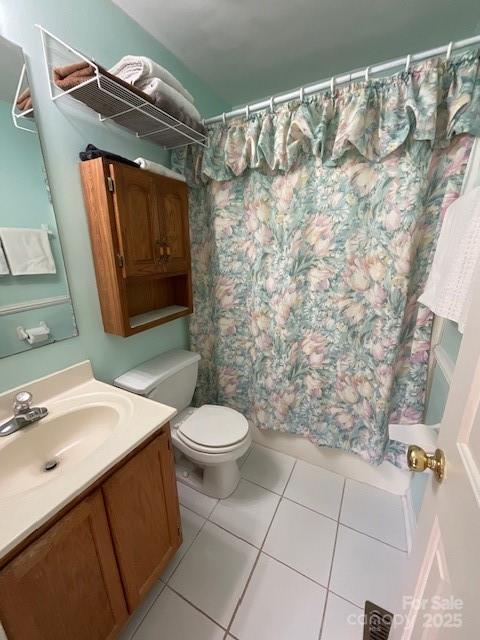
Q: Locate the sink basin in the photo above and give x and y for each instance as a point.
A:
(69, 434)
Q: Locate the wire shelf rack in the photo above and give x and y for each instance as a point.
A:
(24, 120)
(115, 101)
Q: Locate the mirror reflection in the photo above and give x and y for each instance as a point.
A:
(35, 304)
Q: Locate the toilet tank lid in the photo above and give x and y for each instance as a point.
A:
(146, 376)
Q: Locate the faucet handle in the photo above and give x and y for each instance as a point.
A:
(23, 402)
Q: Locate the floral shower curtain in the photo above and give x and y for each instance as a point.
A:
(313, 229)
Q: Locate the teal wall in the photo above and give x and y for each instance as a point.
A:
(99, 29)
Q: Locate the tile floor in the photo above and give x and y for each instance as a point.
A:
(293, 553)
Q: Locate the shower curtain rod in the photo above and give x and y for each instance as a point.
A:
(343, 79)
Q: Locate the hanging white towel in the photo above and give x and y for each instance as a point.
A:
(456, 261)
(139, 69)
(27, 250)
(4, 270)
(472, 172)
(148, 165)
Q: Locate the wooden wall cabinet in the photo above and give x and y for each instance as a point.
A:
(71, 580)
(139, 233)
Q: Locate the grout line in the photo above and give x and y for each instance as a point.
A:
(346, 599)
(262, 487)
(186, 551)
(368, 535)
(258, 556)
(304, 575)
(196, 607)
(319, 513)
(137, 627)
(332, 561)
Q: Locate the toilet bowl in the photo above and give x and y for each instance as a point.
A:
(207, 440)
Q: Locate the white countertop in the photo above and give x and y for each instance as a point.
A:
(24, 512)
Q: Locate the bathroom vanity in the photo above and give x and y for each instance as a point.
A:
(80, 548)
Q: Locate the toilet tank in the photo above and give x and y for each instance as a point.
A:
(169, 378)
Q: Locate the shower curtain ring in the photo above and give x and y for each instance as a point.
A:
(301, 94)
(407, 63)
(224, 118)
(332, 85)
(272, 105)
(247, 111)
(449, 51)
(367, 73)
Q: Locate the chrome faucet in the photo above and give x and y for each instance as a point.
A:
(23, 414)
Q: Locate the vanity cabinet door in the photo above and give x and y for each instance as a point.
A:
(136, 216)
(66, 583)
(142, 507)
(172, 206)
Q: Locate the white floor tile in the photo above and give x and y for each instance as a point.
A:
(343, 621)
(279, 604)
(195, 501)
(374, 511)
(191, 524)
(247, 512)
(268, 468)
(173, 618)
(316, 488)
(366, 569)
(302, 539)
(140, 613)
(214, 572)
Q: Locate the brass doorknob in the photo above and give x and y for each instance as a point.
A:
(418, 460)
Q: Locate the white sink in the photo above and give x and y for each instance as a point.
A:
(69, 434)
(91, 426)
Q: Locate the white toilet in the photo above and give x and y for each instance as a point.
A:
(209, 440)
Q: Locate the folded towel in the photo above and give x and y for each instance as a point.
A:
(27, 250)
(72, 75)
(91, 152)
(155, 87)
(456, 263)
(148, 165)
(133, 69)
(4, 270)
(24, 100)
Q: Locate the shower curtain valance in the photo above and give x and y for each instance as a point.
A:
(433, 101)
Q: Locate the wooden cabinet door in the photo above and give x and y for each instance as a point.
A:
(172, 204)
(135, 205)
(142, 507)
(66, 583)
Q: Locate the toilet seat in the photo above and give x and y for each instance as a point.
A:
(213, 429)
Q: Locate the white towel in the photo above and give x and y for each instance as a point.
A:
(4, 270)
(148, 165)
(135, 69)
(156, 85)
(456, 261)
(28, 251)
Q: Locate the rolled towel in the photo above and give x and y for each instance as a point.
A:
(154, 87)
(154, 167)
(72, 75)
(135, 69)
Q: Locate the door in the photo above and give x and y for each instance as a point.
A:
(142, 506)
(69, 578)
(172, 202)
(136, 216)
(444, 566)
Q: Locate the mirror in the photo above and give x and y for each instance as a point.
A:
(35, 304)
